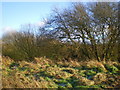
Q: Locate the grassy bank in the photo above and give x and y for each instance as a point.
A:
(44, 73)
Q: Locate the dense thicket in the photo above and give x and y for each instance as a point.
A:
(83, 31)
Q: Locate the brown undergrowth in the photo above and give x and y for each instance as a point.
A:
(44, 73)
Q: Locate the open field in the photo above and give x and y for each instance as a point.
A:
(76, 45)
(44, 73)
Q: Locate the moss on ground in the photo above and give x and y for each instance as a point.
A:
(51, 75)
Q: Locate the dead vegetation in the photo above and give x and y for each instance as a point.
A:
(43, 73)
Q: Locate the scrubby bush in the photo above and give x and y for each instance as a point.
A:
(81, 32)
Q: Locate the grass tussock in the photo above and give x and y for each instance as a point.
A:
(44, 73)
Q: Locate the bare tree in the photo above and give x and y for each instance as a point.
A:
(93, 25)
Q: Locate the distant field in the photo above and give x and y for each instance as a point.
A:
(43, 73)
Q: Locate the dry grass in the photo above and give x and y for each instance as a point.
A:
(43, 73)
